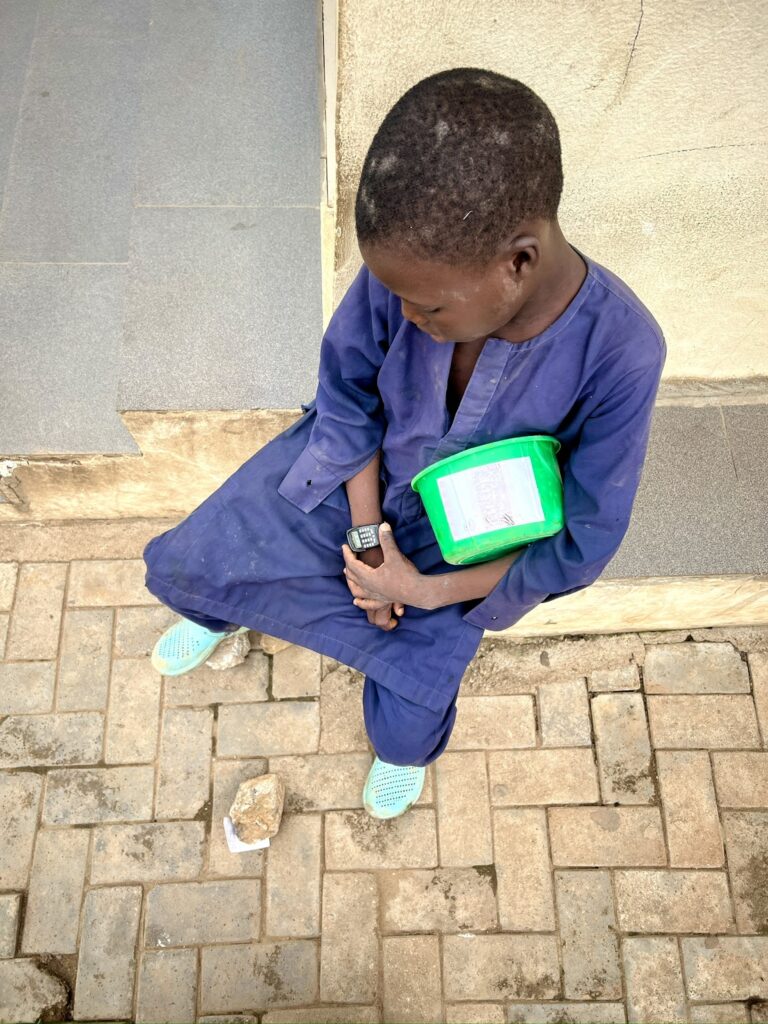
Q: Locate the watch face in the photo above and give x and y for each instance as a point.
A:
(363, 537)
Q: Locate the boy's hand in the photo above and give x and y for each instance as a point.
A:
(395, 581)
(380, 613)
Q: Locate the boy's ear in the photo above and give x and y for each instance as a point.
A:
(521, 256)
(526, 252)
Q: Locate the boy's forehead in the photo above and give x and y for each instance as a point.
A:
(422, 282)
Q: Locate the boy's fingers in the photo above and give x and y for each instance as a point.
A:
(382, 617)
(387, 539)
(399, 609)
(369, 605)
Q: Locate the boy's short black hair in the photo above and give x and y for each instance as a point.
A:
(458, 163)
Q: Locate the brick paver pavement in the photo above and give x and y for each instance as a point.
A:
(592, 847)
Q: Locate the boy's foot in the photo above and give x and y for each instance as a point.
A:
(392, 788)
(185, 645)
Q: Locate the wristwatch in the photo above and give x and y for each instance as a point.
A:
(361, 538)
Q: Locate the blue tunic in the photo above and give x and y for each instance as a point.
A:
(264, 550)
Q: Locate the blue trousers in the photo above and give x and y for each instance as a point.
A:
(400, 731)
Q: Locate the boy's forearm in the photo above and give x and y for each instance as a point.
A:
(477, 581)
(364, 495)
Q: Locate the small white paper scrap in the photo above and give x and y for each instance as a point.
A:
(235, 845)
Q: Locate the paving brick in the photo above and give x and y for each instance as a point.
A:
(322, 782)
(328, 665)
(606, 836)
(29, 992)
(257, 977)
(293, 866)
(485, 723)
(147, 853)
(719, 1013)
(500, 967)
(356, 841)
(690, 811)
(524, 874)
(295, 673)
(231, 1018)
(227, 776)
(589, 945)
(106, 965)
(411, 975)
(743, 638)
(741, 778)
(758, 669)
(574, 1013)
(33, 634)
(342, 727)
(86, 652)
(475, 1013)
(84, 796)
(203, 913)
(27, 687)
(167, 986)
(703, 721)
(445, 900)
(137, 630)
(726, 967)
(4, 619)
(242, 684)
(673, 901)
(746, 840)
(10, 908)
(694, 668)
(624, 756)
(611, 680)
(654, 981)
(8, 574)
(20, 800)
(559, 776)
(36, 740)
(184, 779)
(248, 730)
(133, 715)
(349, 950)
(564, 714)
(55, 891)
(502, 667)
(327, 1014)
(464, 814)
(112, 583)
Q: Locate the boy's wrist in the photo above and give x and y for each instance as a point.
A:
(427, 596)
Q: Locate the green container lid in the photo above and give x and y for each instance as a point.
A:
(494, 498)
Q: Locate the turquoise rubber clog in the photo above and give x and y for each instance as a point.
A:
(185, 645)
(391, 789)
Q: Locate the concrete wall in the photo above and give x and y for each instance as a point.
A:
(662, 112)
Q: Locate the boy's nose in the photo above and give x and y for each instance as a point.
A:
(410, 314)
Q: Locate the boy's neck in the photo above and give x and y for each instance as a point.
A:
(559, 277)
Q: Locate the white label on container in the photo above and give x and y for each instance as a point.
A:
(491, 497)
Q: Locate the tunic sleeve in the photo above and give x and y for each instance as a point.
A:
(600, 480)
(349, 424)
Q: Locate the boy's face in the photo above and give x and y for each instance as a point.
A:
(450, 303)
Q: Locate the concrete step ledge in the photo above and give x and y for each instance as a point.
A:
(654, 603)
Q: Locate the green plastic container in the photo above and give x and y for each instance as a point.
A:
(494, 498)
